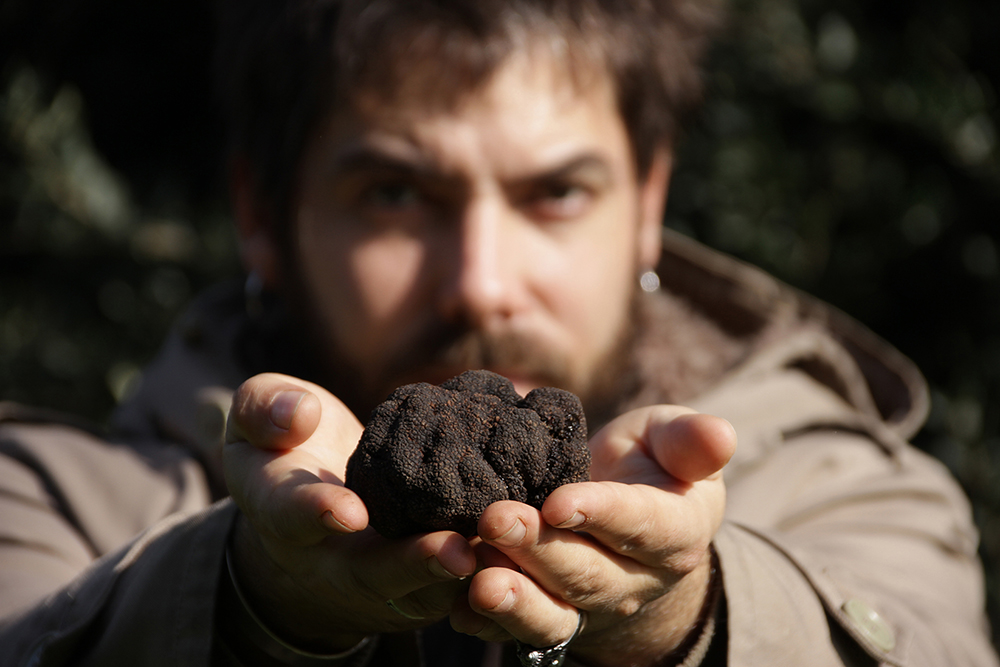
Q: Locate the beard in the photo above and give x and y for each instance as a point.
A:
(445, 349)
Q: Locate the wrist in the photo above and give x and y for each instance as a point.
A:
(244, 634)
(270, 606)
(701, 638)
(675, 630)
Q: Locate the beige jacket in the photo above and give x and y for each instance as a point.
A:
(842, 545)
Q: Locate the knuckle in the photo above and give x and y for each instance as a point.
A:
(559, 633)
(366, 587)
(686, 561)
(586, 587)
(638, 540)
(628, 606)
(590, 588)
(282, 527)
(281, 523)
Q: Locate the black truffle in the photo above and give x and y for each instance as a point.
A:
(434, 457)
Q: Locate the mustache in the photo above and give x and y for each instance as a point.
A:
(445, 346)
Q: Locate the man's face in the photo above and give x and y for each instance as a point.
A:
(504, 233)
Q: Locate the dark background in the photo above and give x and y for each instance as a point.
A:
(848, 147)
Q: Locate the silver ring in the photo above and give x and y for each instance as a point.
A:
(551, 656)
(392, 605)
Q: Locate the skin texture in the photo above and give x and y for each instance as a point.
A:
(309, 564)
(477, 218)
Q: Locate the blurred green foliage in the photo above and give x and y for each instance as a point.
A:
(112, 214)
(849, 148)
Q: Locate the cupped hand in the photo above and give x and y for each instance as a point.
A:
(303, 554)
(631, 548)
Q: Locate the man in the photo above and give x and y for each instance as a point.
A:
(425, 187)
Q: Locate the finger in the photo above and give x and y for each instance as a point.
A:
(656, 528)
(430, 602)
(489, 556)
(289, 496)
(691, 447)
(687, 445)
(414, 579)
(273, 411)
(569, 565)
(518, 607)
(394, 569)
(466, 620)
(463, 618)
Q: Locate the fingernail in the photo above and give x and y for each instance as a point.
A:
(505, 604)
(513, 536)
(332, 524)
(474, 633)
(283, 408)
(438, 570)
(576, 520)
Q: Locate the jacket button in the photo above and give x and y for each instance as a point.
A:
(870, 624)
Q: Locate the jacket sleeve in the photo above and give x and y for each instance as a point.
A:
(108, 555)
(842, 545)
(111, 555)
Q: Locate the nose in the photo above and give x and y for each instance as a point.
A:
(479, 282)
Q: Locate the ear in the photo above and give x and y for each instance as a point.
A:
(259, 250)
(652, 202)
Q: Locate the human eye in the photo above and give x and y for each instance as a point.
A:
(390, 194)
(390, 202)
(560, 200)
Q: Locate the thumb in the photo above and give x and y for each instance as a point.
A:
(690, 447)
(273, 411)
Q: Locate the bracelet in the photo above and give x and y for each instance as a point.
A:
(706, 625)
(242, 621)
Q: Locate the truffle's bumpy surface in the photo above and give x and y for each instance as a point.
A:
(434, 457)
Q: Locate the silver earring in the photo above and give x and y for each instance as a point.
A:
(649, 281)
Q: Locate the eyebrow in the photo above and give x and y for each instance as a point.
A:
(365, 157)
(589, 163)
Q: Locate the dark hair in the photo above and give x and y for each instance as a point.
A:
(283, 64)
